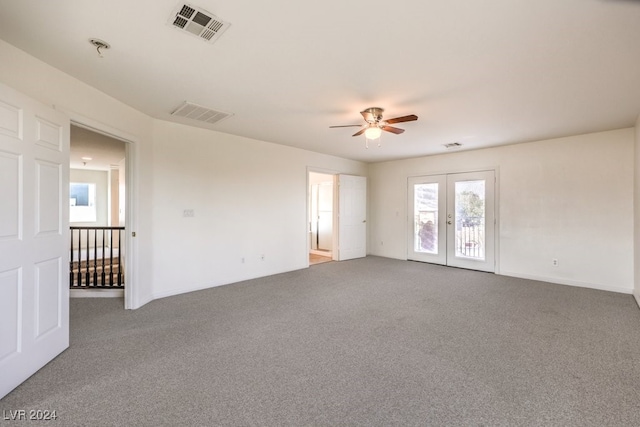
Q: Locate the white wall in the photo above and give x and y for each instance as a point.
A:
(249, 198)
(567, 198)
(57, 89)
(114, 192)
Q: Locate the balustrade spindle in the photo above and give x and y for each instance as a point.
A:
(119, 259)
(87, 275)
(71, 261)
(111, 259)
(79, 257)
(95, 256)
(103, 281)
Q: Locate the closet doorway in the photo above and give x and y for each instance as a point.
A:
(321, 217)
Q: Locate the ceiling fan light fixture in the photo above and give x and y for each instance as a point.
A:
(373, 132)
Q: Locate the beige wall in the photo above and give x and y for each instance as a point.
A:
(54, 88)
(567, 198)
(249, 198)
(547, 203)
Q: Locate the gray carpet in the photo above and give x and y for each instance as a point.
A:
(372, 341)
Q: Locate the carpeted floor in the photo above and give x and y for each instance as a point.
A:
(368, 342)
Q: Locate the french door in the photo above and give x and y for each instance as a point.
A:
(452, 220)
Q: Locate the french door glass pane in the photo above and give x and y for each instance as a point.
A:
(470, 219)
(425, 218)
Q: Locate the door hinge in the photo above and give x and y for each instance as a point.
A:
(133, 234)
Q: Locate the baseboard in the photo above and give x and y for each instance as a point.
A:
(636, 295)
(203, 286)
(569, 282)
(96, 293)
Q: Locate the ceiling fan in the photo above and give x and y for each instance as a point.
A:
(375, 124)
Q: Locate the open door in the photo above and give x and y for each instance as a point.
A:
(352, 217)
(34, 217)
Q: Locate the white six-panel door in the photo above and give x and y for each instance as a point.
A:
(34, 261)
(352, 217)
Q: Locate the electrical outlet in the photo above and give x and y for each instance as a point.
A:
(554, 262)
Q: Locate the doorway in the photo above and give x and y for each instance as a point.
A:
(98, 243)
(321, 217)
(452, 219)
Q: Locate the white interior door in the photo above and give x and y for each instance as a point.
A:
(352, 217)
(34, 258)
(452, 220)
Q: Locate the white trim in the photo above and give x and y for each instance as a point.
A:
(202, 286)
(567, 282)
(334, 237)
(496, 210)
(96, 293)
(131, 298)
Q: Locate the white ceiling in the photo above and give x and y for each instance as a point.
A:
(481, 73)
(100, 152)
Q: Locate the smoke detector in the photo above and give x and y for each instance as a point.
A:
(198, 22)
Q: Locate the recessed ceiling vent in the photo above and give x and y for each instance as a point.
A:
(452, 146)
(198, 22)
(200, 114)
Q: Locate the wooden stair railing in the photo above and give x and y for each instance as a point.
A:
(101, 265)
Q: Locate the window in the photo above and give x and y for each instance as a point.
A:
(82, 199)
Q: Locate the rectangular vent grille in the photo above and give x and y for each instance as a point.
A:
(198, 22)
(452, 145)
(199, 113)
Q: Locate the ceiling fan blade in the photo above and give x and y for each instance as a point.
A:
(360, 132)
(391, 129)
(344, 126)
(408, 118)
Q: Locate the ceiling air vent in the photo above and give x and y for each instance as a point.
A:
(200, 114)
(198, 22)
(452, 145)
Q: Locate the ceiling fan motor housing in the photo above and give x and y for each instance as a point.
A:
(374, 114)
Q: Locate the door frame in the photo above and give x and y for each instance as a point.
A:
(334, 233)
(496, 201)
(131, 295)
